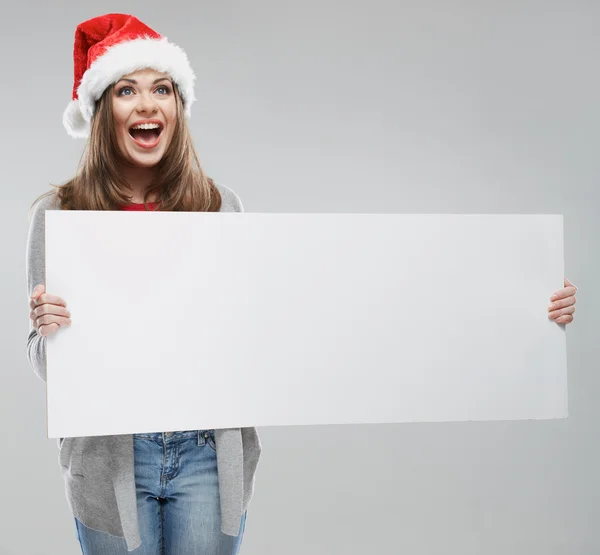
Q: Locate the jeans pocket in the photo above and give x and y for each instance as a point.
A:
(210, 440)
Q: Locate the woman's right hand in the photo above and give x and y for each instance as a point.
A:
(48, 312)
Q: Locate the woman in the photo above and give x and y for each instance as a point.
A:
(184, 492)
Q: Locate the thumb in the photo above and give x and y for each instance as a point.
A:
(567, 283)
(38, 290)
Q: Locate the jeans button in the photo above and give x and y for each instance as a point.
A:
(206, 435)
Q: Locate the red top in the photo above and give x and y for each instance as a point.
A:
(138, 206)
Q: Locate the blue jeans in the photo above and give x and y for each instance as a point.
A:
(178, 503)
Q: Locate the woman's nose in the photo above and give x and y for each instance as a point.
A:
(146, 104)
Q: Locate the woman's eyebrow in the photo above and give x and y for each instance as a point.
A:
(154, 82)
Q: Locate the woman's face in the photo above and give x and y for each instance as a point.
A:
(144, 97)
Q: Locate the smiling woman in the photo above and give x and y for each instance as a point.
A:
(131, 99)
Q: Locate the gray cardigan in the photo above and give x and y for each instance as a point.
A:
(99, 471)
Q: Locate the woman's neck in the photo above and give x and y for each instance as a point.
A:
(139, 180)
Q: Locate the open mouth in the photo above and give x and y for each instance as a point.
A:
(146, 135)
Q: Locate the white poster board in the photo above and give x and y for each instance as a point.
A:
(187, 320)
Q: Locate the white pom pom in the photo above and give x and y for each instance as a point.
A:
(74, 122)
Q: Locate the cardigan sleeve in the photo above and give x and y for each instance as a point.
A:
(35, 269)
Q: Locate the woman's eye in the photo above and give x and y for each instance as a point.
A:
(124, 89)
(166, 89)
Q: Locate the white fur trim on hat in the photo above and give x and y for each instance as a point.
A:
(122, 59)
(74, 122)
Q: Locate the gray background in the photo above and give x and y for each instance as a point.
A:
(327, 106)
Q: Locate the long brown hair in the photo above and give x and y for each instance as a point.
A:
(179, 183)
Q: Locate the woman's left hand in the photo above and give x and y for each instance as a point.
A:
(563, 304)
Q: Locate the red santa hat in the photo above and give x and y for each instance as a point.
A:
(110, 46)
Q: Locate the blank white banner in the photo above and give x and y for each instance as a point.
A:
(187, 320)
